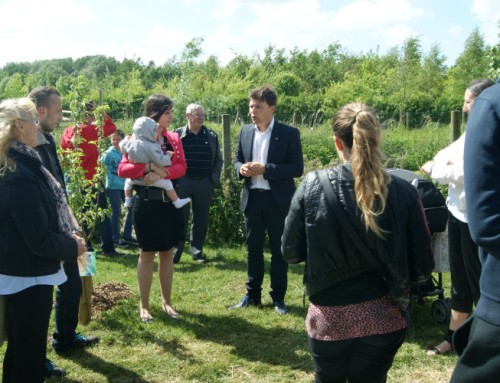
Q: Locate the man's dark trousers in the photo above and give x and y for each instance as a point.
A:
(201, 191)
(262, 214)
(67, 305)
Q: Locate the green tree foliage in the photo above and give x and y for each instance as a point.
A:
(405, 84)
(82, 193)
(473, 63)
(14, 86)
(494, 58)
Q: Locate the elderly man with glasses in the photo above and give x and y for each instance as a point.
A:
(204, 165)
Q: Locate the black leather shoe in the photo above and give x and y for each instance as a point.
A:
(280, 307)
(246, 302)
(50, 369)
(78, 342)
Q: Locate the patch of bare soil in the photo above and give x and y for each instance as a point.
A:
(106, 295)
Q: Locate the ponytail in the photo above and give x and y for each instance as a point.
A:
(359, 129)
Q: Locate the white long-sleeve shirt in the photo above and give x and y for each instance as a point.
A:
(453, 175)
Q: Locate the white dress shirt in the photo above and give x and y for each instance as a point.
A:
(259, 154)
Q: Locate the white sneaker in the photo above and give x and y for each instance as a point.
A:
(129, 201)
(180, 202)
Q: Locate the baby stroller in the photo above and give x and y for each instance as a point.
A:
(436, 213)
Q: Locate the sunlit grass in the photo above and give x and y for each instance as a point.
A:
(209, 343)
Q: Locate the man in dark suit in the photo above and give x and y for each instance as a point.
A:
(268, 158)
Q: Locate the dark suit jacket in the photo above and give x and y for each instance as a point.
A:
(48, 154)
(284, 162)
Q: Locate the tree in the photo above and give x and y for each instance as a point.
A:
(404, 78)
(15, 87)
(473, 63)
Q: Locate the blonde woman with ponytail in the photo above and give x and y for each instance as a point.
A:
(356, 320)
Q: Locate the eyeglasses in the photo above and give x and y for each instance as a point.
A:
(34, 119)
(197, 115)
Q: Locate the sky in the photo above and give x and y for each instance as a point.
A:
(158, 30)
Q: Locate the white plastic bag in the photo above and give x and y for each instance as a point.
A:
(87, 264)
(439, 244)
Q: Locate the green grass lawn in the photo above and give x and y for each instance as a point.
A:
(209, 343)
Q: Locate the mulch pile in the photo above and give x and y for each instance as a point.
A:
(105, 296)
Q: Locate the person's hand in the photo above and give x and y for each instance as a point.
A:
(170, 153)
(245, 170)
(80, 243)
(257, 168)
(151, 178)
(161, 171)
(250, 169)
(427, 167)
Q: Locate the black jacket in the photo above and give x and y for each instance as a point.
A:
(30, 241)
(48, 154)
(313, 234)
(216, 154)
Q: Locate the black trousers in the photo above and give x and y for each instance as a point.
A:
(261, 215)
(67, 306)
(27, 314)
(201, 192)
(465, 267)
(359, 360)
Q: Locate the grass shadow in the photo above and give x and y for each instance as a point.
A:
(112, 371)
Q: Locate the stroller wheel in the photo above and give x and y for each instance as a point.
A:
(440, 310)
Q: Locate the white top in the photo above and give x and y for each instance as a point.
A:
(10, 284)
(453, 175)
(259, 154)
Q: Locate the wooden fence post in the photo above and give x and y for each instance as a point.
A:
(85, 309)
(226, 143)
(456, 120)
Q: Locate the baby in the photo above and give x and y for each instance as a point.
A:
(143, 147)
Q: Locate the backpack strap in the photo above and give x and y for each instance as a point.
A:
(334, 203)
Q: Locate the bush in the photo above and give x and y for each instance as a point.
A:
(226, 222)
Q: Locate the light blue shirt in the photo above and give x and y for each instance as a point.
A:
(111, 159)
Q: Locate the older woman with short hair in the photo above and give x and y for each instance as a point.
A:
(36, 232)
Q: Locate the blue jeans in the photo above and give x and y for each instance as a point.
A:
(104, 226)
(116, 198)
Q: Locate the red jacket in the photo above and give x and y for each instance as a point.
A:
(89, 134)
(128, 169)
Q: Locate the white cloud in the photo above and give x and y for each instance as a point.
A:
(224, 9)
(363, 14)
(392, 36)
(123, 28)
(488, 13)
(486, 10)
(43, 32)
(456, 30)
